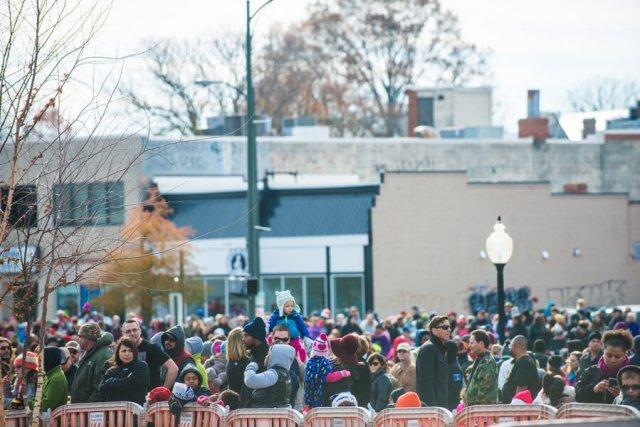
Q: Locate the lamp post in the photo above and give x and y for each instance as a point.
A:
(499, 247)
(253, 211)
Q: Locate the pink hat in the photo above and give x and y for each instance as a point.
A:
(320, 346)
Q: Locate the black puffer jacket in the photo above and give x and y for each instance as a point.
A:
(128, 383)
(432, 375)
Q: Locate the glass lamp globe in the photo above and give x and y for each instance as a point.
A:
(499, 244)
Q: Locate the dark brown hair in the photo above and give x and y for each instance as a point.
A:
(483, 337)
(380, 359)
(618, 338)
(127, 342)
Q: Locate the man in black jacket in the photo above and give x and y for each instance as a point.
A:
(254, 336)
(432, 379)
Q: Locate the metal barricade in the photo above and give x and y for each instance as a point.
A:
(193, 415)
(414, 417)
(264, 418)
(486, 415)
(338, 417)
(596, 410)
(105, 414)
(19, 418)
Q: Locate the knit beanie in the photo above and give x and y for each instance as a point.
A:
(555, 361)
(90, 331)
(256, 328)
(282, 298)
(344, 399)
(595, 336)
(159, 394)
(320, 346)
(30, 361)
(52, 358)
(522, 398)
(408, 400)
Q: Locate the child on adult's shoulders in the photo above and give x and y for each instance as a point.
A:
(288, 313)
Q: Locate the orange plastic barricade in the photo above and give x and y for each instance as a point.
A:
(105, 414)
(18, 418)
(486, 415)
(414, 417)
(596, 410)
(193, 415)
(264, 418)
(338, 417)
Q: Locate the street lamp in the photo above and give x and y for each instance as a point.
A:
(253, 210)
(499, 247)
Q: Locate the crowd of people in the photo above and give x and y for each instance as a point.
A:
(552, 356)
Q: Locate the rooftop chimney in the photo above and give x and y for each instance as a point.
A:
(533, 103)
(588, 127)
(534, 125)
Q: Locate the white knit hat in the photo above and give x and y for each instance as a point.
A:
(281, 300)
(342, 398)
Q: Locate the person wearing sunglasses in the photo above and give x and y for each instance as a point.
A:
(629, 380)
(432, 379)
(380, 382)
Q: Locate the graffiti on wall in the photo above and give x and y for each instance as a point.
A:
(483, 298)
(608, 293)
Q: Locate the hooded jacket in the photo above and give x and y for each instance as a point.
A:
(179, 354)
(626, 400)
(271, 388)
(432, 377)
(91, 368)
(176, 402)
(54, 388)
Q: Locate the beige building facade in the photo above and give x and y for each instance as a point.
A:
(429, 231)
(79, 193)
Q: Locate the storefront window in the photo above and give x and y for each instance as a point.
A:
(316, 295)
(348, 291)
(215, 296)
(238, 304)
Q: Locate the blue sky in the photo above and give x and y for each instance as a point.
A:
(544, 44)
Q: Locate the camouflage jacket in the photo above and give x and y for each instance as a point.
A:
(482, 385)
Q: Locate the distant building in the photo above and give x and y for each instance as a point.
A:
(317, 244)
(449, 107)
(429, 231)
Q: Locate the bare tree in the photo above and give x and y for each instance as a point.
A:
(167, 91)
(67, 172)
(382, 47)
(603, 94)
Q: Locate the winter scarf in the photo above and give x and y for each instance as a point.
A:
(315, 375)
(608, 372)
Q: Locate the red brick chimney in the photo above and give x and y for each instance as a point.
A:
(534, 125)
(412, 114)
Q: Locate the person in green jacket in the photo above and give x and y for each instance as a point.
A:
(54, 388)
(92, 366)
(482, 384)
